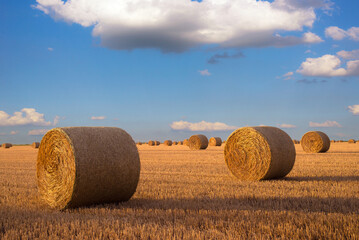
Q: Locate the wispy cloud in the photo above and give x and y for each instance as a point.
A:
(285, 125)
(325, 124)
(50, 49)
(98, 117)
(310, 81)
(27, 116)
(14, 132)
(201, 126)
(354, 109)
(288, 75)
(217, 57)
(204, 72)
(38, 132)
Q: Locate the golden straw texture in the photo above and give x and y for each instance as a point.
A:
(351, 141)
(79, 166)
(258, 153)
(215, 141)
(315, 142)
(6, 145)
(167, 143)
(197, 142)
(35, 144)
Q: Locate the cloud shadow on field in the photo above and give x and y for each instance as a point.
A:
(302, 204)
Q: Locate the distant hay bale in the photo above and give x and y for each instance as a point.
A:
(139, 143)
(167, 143)
(185, 142)
(79, 166)
(197, 142)
(6, 145)
(296, 141)
(215, 141)
(180, 143)
(174, 143)
(351, 141)
(157, 143)
(333, 141)
(258, 153)
(315, 142)
(151, 143)
(35, 144)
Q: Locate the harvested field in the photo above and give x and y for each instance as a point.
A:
(184, 194)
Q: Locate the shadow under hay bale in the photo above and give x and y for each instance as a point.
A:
(79, 166)
(315, 142)
(198, 142)
(258, 153)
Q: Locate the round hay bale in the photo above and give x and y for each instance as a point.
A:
(215, 141)
(258, 153)
(35, 144)
(315, 142)
(157, 143)
(167, 143)
(197, 142)
(151, 143)
(139, 143)
(79, 166)
(174, 143)
(185, 142)
(333, 141)
(180, 143)
(6, 145)
(351, 141)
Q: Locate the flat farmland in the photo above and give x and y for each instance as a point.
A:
(184, 194)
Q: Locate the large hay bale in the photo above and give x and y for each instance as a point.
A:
(351, 141)
(78, 166)
(258, 153)
(315, 142)
(215, 141)
(197, 142)
(6, 145)
(167, 143)
(185, 142)
(151, 143)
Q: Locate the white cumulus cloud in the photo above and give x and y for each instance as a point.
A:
(178, 25)
(325, 124)
(329, 66)
(38, 132)
(201, 126)
(337, 33)
(98, 117)
(285, 125)
(27, 116)
(354, 109)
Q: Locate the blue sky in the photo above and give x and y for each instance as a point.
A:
(147, 68)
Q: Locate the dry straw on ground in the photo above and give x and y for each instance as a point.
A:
(315, 142)
(80, 166)
(151, 143)
(215, 141)
(197, 142)
(6, 145)
(35, 144)
(167, 143)
(258, 153)
(351, 141)
(185, 142)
